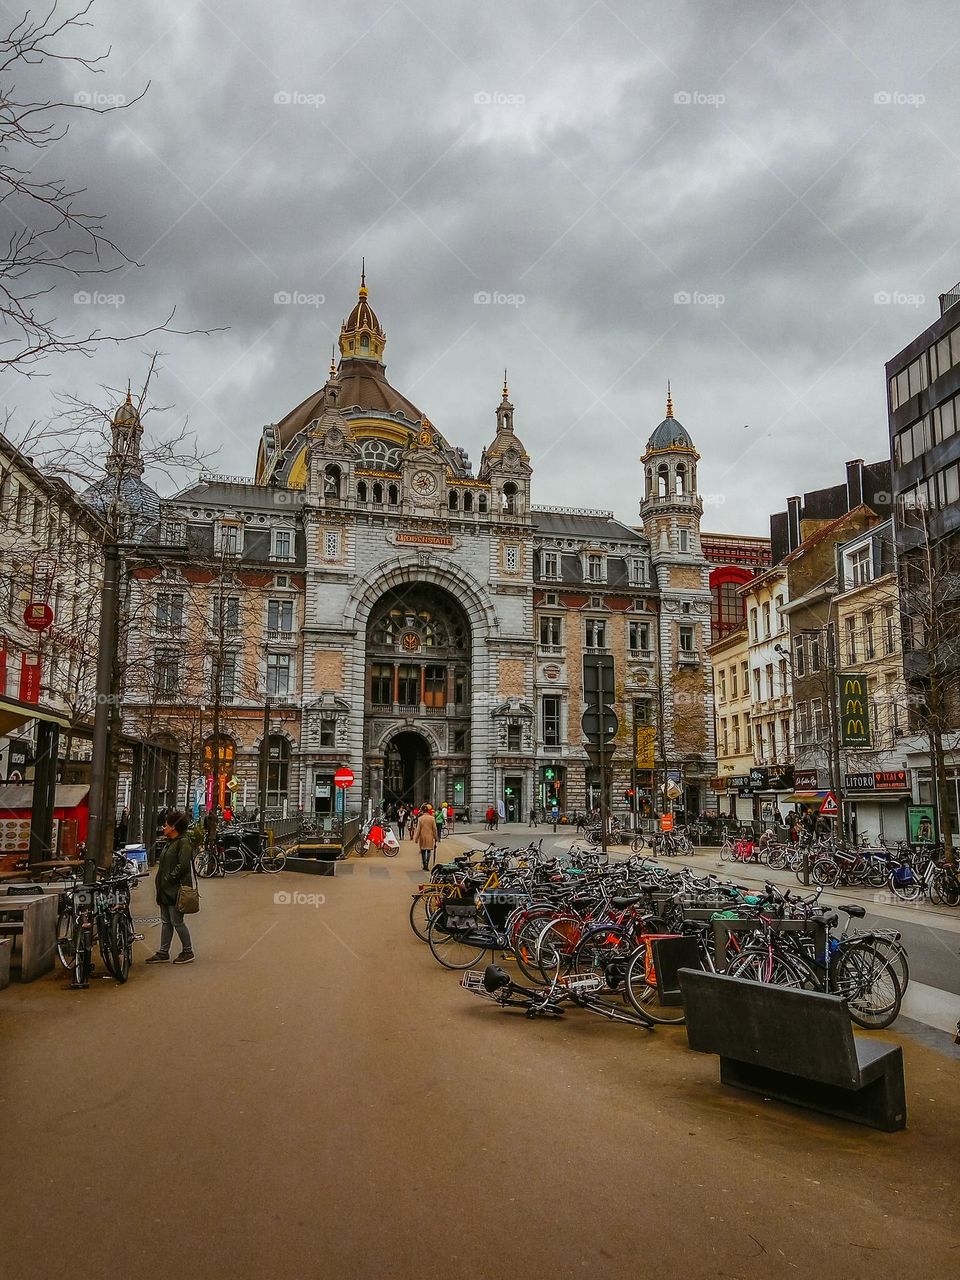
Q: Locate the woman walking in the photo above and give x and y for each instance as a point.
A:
(174, 868)
(427, 836)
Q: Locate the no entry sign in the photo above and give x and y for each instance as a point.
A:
(343, 778)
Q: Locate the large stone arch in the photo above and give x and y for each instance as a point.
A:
(391, 731)
(468, 592)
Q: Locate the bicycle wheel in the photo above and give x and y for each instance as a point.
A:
(105, 945)
(391, 851)
(636, 844)
(895, 955)
(945, 889)
(603, 951)
(273, 862)
(555, 946)
(205, 863)
(777, 857)
(120, 940)
(825, 872)
(759, 964)
(82, 955)
(726, 851)
(452, 947)
(422, 908)
(644, 995)
(233, 859)
(906, 888)
(66, 926)
(867, 982)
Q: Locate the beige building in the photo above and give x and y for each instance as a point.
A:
(734, 730)
(50, 555)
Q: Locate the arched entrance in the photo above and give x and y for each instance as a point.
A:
(418, 665)
(406, 769)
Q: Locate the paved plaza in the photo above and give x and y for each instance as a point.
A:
(316, 1097)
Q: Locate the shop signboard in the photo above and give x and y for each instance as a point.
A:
(645, 741)
(806, 780)
(854, 707)
(886, 780)
(780, 777)
(891, 780)
(759, 779)
(921, 824)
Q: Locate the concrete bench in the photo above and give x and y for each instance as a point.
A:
(34, 919)
(797, 1046)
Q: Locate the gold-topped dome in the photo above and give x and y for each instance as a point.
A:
(127, 415)
(361, 335)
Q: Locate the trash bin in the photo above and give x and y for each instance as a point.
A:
(137, 853)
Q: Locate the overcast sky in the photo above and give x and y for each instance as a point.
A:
(755, 200)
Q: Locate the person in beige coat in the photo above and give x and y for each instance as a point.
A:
(427, 835)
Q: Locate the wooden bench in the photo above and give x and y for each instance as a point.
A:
(797, 1046)
(35, 920)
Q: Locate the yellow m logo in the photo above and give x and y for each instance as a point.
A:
(855, 705)
(855, 729)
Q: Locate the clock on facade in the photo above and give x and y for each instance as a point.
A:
(424, 483)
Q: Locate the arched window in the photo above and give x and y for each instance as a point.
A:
(663, 481)
(364, 341)
(680, 480)
(453, 501)
(510, 498)
(468, 501)
(649, 482)
(361, 490)
(393, 495)
(331, 481)
(378, 492)
(481, 502)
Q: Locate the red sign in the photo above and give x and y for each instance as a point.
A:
(343, 778)
(38, 616)
(30, 677)
(666, 822)
(891, 780)
(829, 807)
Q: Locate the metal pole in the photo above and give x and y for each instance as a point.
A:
(635, 823)
(264, 769)
(102, 716)
(602, 759)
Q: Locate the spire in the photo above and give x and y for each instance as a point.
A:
(506, 389)
(126, 429)
(669, 401)
(333, 362)
(361, 335)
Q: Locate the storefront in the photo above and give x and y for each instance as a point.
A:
(877, 804)
(771, 788)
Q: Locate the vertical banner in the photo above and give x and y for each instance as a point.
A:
(3, 673)
(30, 677)
(854, 708)
(645, 742)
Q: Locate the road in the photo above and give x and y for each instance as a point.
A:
(316, 1097)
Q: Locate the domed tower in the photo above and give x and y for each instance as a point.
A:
(121, 495)
(361, 335)
(671, 510)
(505, 465)
(126, 432)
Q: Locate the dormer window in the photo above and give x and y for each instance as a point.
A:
(596, 568)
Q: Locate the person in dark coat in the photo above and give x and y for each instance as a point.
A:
(174, 868)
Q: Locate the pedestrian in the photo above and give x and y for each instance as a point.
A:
(451, 817)
(174, 868)
(427, 836)
(491, 813)
(120, 831)
(533, 817)
(440, 819)
(414, 815)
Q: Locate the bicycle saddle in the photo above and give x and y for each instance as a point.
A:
(627, 900)
(852, 909)
(494, 978)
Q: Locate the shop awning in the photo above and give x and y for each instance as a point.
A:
(19, 795)
(805, 797)
(14, 714)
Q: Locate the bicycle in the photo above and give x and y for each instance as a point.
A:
(98, 912)
(230, 854)
(583, 992)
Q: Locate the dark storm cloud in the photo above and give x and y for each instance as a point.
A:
(722, 194)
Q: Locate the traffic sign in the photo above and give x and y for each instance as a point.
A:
(343, 778)
(590, 723)
(829, 808)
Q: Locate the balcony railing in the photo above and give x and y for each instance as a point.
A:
(451, 709)
(642, 655)
(688, 657)
(552, 650)
(282, 557)
(280, 634)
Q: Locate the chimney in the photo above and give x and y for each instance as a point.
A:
(793, 524)
(854, 483)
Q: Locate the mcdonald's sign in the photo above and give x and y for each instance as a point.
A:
(853, 705)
